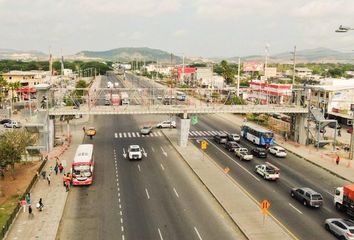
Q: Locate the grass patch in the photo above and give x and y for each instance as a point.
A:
(7, 208)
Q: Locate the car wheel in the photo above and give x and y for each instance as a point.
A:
(159, 126)
(292, 194)
(327, 227)
(305, 203)
(264, 176)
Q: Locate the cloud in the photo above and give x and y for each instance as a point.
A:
(179, 33)
(324, 9)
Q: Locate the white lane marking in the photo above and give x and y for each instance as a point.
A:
(295, 208)
(163, 152)
(163, 169)
(120, 135)
(124, 134)
(206, 133)
(220, 132)
(174, 189)
(123, 237)
(137, 134)
(115, 135)
(147, 193)
(196, 230)
(122, 228)
(153, 149)
(225, 132)
(143, 135)
(158, 229)
(234, 160)
(129, 135)
(198, 133)
(139, 168)
(214, 132)
(190, 133)
(121, 220)
(120, 206)
(133, 134)
(124, 154)
(159, 133)
(121, 213)
(144, 153)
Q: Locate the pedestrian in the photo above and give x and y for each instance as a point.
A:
(48, 179)
(337, 160)
(30, 212)
(61, 168)
(339, 133)
(28, 199)
(44, 173)
(37, 174)
(83, 128)
(56, 169)
(346, 148)
(67, 185)
(40, 205)
(50, 170)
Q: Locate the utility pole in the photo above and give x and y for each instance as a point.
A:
(352, 135)
(238, 77)
(294, 64)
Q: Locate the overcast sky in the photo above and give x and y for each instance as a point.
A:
(206, 28)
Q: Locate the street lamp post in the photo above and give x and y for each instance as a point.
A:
(343, 29)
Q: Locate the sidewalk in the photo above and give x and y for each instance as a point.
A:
(323, 158)
(239, 205)
(44, 225)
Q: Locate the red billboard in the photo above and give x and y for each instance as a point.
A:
(252, 66)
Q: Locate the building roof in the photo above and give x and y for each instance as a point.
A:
(23, 73)
(334, 85)
(303, 69)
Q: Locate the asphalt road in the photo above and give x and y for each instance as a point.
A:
(304, 222)
(156, 198)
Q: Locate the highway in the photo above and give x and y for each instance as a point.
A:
(304, 222)
(156, 198)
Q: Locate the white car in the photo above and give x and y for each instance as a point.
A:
(277, 151)
(166, 124)
(12, 124)
(134, 152)
(233, 137)
(146, 130)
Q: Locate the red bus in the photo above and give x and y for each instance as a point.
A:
(83, 165)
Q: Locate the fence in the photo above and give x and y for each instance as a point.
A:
(14, 213)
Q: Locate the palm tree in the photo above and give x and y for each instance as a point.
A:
(13, 86)
(3, 85)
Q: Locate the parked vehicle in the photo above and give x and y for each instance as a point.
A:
(13, 124)
(166, 124)
(243, 154)
(107, 99)
(277, 151)
(115, 100)
(146, 130)
(134, 152)
(233, 137)
(268, 171)
(6, 120)
(341, 228)
(344, 199)
(220, 138)
(231, 146)
(307, 196)
(124, 98)
(259, 152)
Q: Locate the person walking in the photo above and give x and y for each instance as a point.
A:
(30, 212)
(61, 168)
(339, 133)
(40, 205)
(48, 179)
(337, 160)
(50, 170)
(28, 199)
(67, 185)
(83, 128)
(56, 169)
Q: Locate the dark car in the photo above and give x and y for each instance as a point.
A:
(3, 121)
(333, 125)
(231, 146)
(220, 138)
(259, 152)
(307, 196)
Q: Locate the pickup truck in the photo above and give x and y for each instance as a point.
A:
(243, 154)
(13, 124)
(268, 171)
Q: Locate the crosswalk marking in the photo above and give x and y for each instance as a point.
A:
(205, 133)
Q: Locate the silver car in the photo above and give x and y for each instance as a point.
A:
(146, 130)
(341, 228)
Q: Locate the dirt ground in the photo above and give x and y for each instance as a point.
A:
(24, 173)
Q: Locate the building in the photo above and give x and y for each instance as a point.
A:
(160, 69)
(186, 75)
(270, 72)
(273, 93)
(333, 97)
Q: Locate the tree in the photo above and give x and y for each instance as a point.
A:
(227, 72)
(13, 145)
(13, 86)
(3, 85)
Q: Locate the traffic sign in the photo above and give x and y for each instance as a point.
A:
(194, 120)
(204, 145)
(265, 205)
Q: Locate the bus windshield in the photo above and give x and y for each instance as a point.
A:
(268, 134)
(82, 170)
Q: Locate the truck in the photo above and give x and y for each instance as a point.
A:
(125, 98)
(344, 199)
(107, 99)
(268, 171)
(243, 154)
(115, 100)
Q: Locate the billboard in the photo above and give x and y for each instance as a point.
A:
(252, 66)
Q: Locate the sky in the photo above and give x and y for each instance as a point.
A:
(207, 28)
